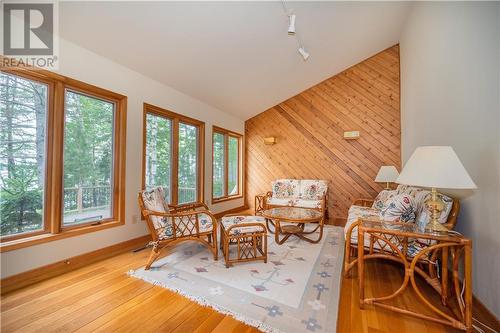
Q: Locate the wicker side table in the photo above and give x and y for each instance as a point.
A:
(396, 242)
(248, 233)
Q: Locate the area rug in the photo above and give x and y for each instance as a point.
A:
(296, 291)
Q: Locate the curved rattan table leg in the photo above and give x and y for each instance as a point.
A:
(402, 260)
(313, 241)
(454, 322)
(270, 222)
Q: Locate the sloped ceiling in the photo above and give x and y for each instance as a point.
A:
(235, 56)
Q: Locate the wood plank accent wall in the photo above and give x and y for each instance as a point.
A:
(309, 129)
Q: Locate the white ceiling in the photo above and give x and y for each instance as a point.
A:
(235, 56)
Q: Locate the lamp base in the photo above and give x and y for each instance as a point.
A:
(435, 226)
(435, 205)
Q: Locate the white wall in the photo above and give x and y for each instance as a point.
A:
(89, 67)
(450, 72)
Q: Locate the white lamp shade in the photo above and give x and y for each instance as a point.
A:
(435, 166)
(387, 174)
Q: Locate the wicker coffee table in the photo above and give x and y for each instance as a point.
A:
(297, 219)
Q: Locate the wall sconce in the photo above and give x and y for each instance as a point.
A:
(270, 140)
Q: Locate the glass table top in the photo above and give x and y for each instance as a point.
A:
(408, 228)
(292, 213)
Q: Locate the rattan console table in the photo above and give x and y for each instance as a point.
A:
(393, 241)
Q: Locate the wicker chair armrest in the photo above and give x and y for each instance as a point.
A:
(363, 202)
(180, 214)
(252, 224)
(348, 233)
(193, 206)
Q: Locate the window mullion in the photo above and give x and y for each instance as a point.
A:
(226, 160)
(175, 161)
(56, 151)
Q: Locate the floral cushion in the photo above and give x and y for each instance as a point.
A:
(154, 200)
(382, 197)
(355, 213)
(285, 188)
(307, 203)
(186, 226)
(400, 207)
(312, 189)
(281, 201)
(421, 196)
(228, 221)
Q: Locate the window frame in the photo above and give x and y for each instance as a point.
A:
(53, 228)
(176, 119)
(227, 133)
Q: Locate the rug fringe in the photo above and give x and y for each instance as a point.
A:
(200, 300)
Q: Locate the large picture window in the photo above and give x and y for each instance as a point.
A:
(226, 165)
(173, 155)
(62, 146)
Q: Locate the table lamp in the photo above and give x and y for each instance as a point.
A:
(435, 167)
(387, 174)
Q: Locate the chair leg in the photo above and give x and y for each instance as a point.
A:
(215, 248)
(155, 253)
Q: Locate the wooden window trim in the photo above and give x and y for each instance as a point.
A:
(53, 222)
(176, 120)
(227, 134)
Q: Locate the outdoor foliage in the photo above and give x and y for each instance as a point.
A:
(23, 115)
(159, 157)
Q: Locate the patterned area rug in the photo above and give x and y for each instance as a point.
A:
(296, 291)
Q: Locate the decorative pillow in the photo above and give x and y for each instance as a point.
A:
(382, 197)
(285, 188)
(400, 207)
(312, 189)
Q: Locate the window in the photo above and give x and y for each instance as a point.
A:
(173, 155)
(62, 146)
(88, 158)
(23, 141)
(226, 165)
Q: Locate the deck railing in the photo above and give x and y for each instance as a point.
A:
(80, 199)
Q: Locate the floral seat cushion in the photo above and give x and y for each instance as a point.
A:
(359, 212)
(281, 201)
(228, 221)
(305, 203)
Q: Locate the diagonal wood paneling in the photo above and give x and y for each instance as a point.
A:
(310, 126)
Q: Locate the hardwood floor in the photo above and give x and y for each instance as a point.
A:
(102, 298)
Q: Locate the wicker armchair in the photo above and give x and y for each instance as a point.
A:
(171, 225)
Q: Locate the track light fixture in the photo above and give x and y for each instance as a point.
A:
(303, 53)
(292, 32)
(291, 25)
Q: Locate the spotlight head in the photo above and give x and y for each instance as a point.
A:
(304, 53)
(291, 25)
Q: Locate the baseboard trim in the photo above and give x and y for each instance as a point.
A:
(24, 279)
(487, 316)
(231, 211)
